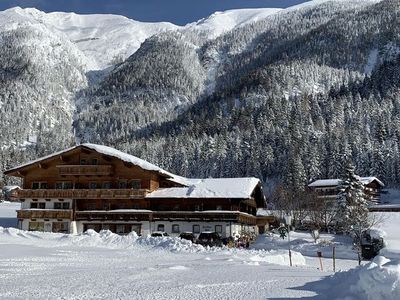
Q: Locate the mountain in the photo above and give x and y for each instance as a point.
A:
(282, 94)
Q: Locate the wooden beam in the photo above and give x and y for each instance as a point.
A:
(107, 158)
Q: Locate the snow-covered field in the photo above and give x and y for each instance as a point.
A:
(107, 266)
(8, 214)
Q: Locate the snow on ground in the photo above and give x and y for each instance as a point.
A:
(379, 279)
(106, 265)
(390, 226)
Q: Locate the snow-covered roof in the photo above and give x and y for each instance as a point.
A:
(127, 158)
(39, 160)
(241, 188)
(109, 152)
(9, 188)
(335, 182)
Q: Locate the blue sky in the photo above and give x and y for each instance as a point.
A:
(175, 11)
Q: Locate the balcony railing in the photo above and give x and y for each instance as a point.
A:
(233, 216)
(98, 170)
(81, 194)
(44, 214)
(115, 215)
(138, 215)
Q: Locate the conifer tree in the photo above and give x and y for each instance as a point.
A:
(352, 211)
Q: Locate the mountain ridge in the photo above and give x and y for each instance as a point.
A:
(274, 96)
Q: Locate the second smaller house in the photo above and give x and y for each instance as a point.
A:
(328, 188)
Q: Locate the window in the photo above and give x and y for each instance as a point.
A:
(196, 228)
(60, 227)
(92, 185)
(136, 184)
(218, 228)
(160, 227)
(91, 206)
(136, 228)
(94, 161)
(66, 185)
(197, 207)
(43, 185)
(175, 228)
(41, 205)
(35, 185)
(36, 226)
(107, 185)
(122, 184)
(83, 161)
(105, 227)
(61, 205)
(120, 229)
(219, 207)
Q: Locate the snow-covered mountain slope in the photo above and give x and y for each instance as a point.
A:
(104, 39)
(109, 39)
(222, 22)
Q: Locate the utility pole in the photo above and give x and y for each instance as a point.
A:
(288, 220)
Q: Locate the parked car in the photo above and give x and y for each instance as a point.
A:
(371, 244)
(210, 239)
(188, 236)
(159, 234)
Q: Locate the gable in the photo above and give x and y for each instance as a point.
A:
(73, 156)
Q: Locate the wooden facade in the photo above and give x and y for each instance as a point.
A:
(372, 189)
(103, 188)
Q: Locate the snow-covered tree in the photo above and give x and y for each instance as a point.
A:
(352, 211)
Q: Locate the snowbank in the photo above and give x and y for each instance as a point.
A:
(389, 229)
(379, 279)
(109, 240)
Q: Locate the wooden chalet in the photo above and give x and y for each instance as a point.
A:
(97, 187)
(327, 189)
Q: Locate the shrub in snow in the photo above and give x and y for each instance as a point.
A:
(315, 235)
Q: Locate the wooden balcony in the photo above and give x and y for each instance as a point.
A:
(44, 214)
(86, 170)
(144, 215)
(81, 194)
(113, 215)
(226, 216)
